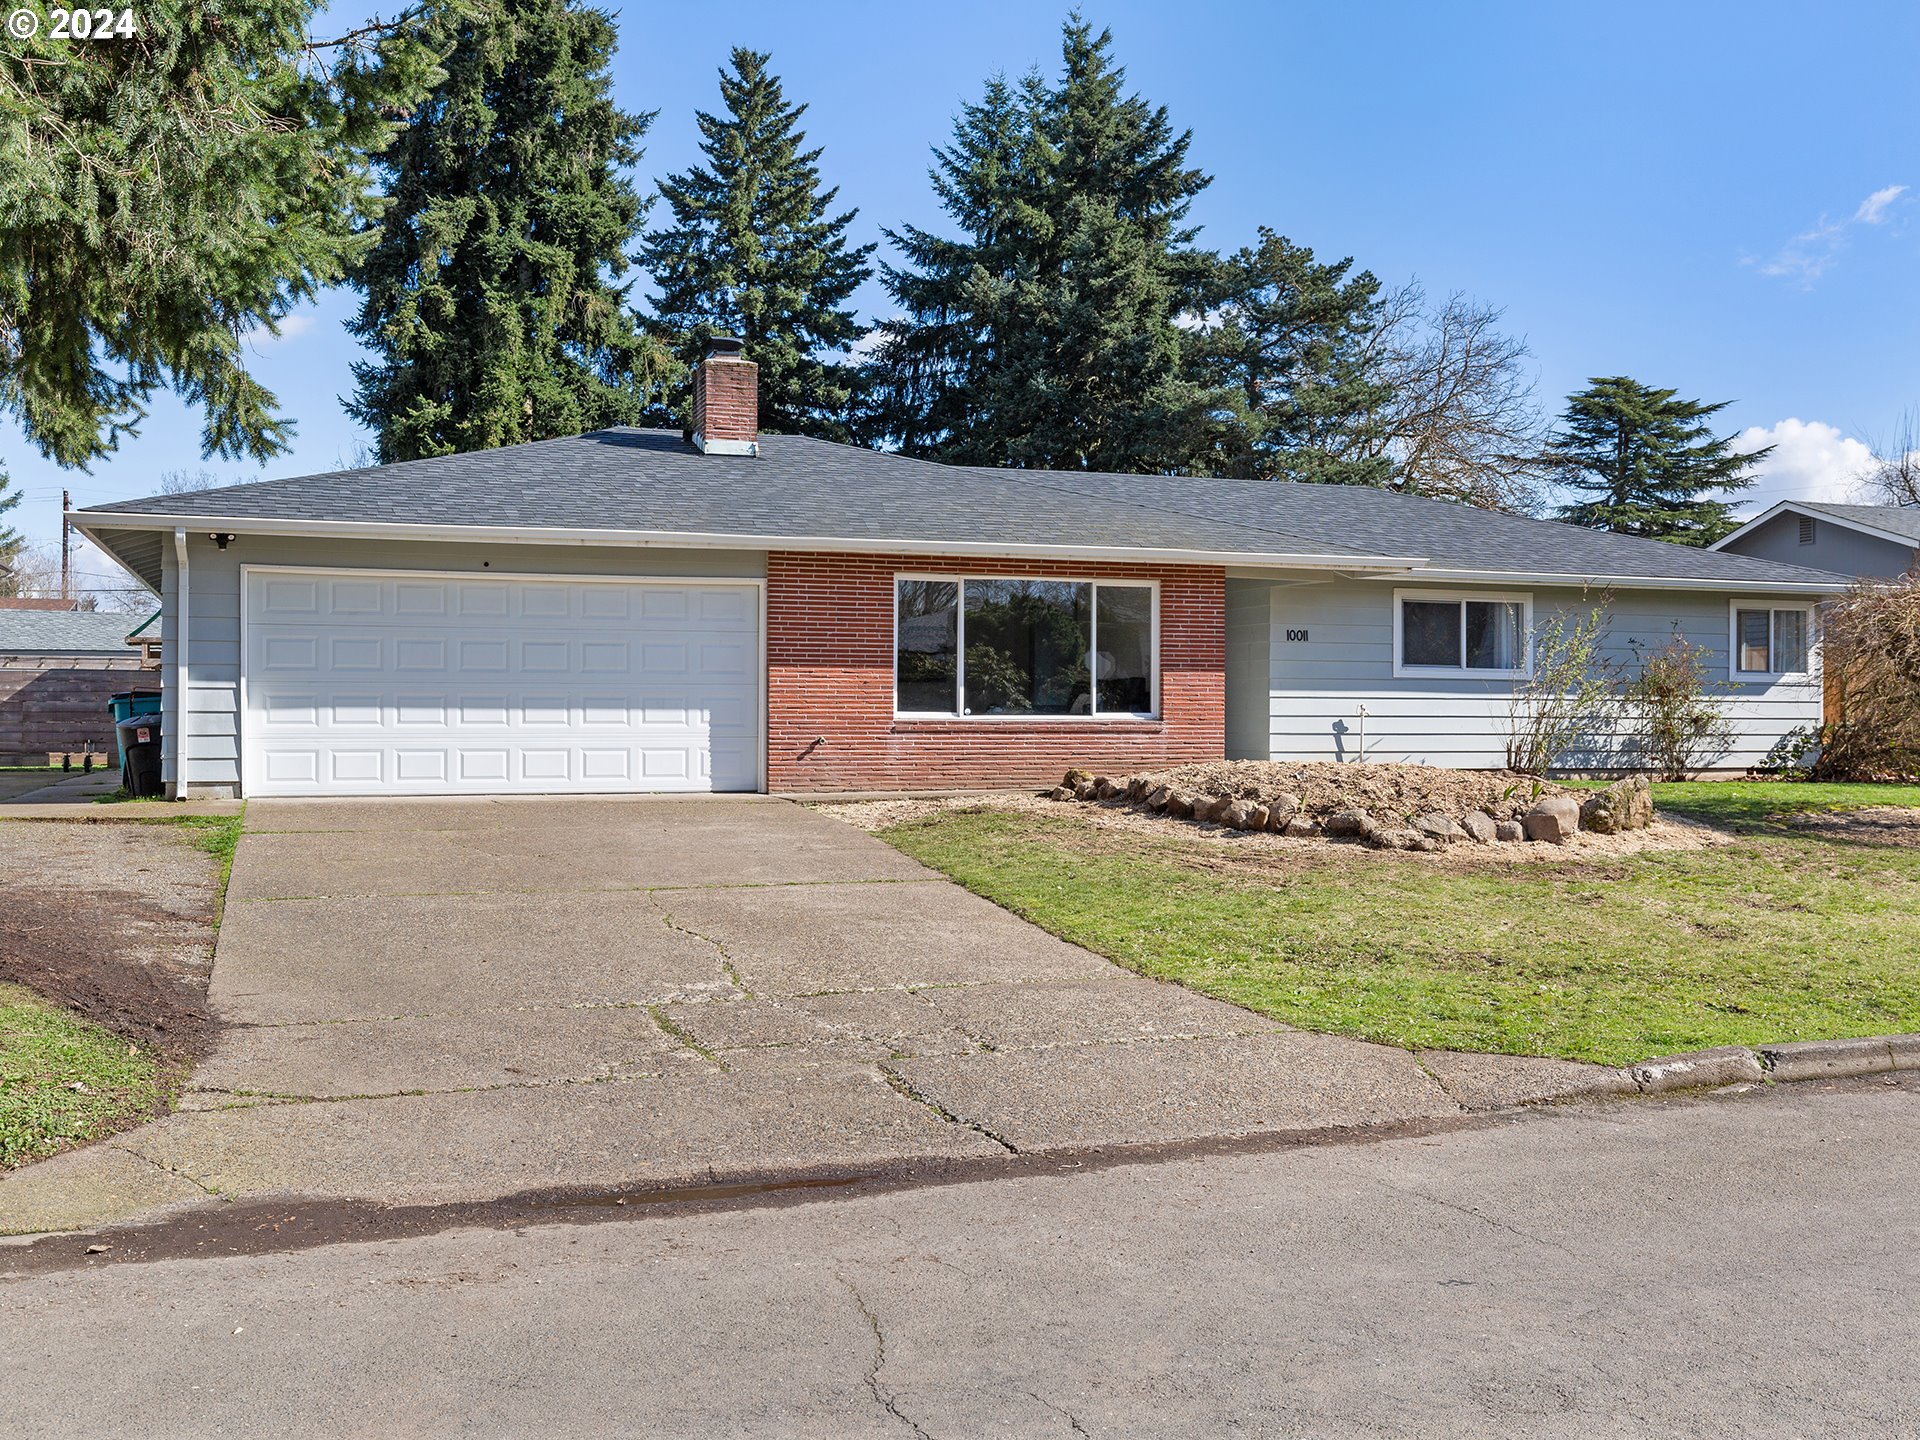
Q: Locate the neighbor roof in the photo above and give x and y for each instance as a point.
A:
(64, 632)
(1901, 520)
(628, 485)
(1898, 523)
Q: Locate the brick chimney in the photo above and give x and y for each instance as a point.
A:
(726, 400)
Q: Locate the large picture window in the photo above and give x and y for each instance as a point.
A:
(990, 647)
(1475, 635)
(1772, 641)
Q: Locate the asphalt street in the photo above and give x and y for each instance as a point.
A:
(1715, 1265)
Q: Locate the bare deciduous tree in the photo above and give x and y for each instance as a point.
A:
(1895, 477)
(1463, 423)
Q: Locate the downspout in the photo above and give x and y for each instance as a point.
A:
(182, 674)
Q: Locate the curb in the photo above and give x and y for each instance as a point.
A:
(1778, 1064)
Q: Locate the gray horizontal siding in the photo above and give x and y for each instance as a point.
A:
(1316, 687)
(1835, 547)
(213, 715)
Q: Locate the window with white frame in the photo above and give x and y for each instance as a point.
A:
(1772, 639)
(987, 646)
(1476, 635)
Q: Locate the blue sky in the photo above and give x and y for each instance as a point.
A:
(1723, 198)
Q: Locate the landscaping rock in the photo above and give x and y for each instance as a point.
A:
(1138, 788)
(1083, 790)
(1208, 808)
(1076, 777)
(1180, 805)
(1481, 827)
(1303, 827)
(1158, 797)
(1244, 815)
(1105, 787)
(1060, 792)
(1382, 837)
(1624, 805)
(1442, 828)
(1509, 830)
(1281, 808)
(1348, 824)
(1555, 820)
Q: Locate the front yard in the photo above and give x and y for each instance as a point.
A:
(1792, 928)
(106, 937)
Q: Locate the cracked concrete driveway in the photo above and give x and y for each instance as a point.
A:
(456, 1000)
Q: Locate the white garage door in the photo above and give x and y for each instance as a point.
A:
(423, 684)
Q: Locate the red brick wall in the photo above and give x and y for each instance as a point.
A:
(830, 673)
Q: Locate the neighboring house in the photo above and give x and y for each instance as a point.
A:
(634, 610)
(58, 666)
(1876, 542)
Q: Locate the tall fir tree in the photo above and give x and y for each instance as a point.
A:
(1649, 462)
(1048, 334)
(177, 183)
(492, 296)
(1286, 339)
(756, 251)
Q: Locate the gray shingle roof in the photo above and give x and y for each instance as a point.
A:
(65, 632)
(1903, 520)
(801, 489)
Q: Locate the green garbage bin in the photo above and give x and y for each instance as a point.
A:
(127, 704)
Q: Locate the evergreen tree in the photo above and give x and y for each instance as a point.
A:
(168, 191)
(1287, 339)
(11, 540)
(755, 251)
(492, 300)
(1047, 334)
(1649, 461)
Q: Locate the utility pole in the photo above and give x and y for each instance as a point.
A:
(66, 547)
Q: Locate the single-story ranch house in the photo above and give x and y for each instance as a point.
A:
(635, 610)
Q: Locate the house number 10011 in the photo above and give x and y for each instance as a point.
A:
(1296, 635)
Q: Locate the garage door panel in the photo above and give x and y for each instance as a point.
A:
(424, 685)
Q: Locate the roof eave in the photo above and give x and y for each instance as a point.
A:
(90, 521)
(1633, 582)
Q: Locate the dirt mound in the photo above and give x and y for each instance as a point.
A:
(1387, 791)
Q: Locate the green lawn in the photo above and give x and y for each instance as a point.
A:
(63, 1079)
(1743, 803)
(1773, 937)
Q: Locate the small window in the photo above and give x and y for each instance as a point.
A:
(1473, 635)
(996, 648)
(1772, 642)
(1806, 529)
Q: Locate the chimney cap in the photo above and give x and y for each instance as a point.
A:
(725, 347)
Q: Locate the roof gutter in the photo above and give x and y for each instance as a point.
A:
(89, 522)
(1632, 582)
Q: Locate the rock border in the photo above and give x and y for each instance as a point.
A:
(1556, 819)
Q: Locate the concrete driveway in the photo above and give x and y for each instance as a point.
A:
(457, 1000)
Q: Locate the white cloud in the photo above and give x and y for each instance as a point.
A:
(1809, 254)
(292, 327)
(1811, 460)
(1873, 209)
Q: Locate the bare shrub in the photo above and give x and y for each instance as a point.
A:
(1871, 649)
(1570, 695)
(1679, 709)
